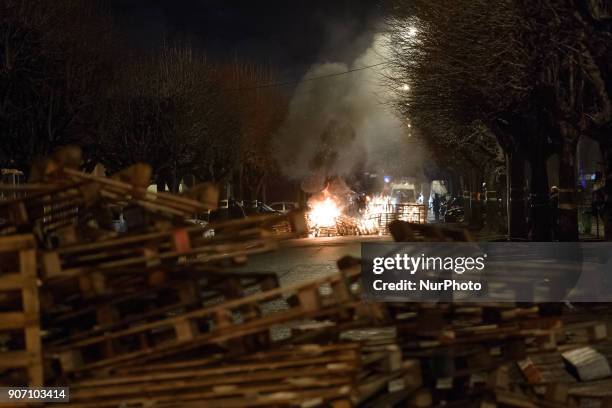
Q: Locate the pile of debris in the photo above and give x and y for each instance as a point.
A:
(152, 316)
(345, 225)
(375, 221)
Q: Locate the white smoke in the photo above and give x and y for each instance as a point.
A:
(343, 124)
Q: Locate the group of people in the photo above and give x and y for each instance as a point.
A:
(437, 202)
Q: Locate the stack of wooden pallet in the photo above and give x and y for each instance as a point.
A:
(308, 375)
(60, 248)
(151, 316)
(346, 226)
(504, 354)
(20, 344)
(324, 231)
(283, 346)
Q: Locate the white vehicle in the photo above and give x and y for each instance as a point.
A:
(403, 193)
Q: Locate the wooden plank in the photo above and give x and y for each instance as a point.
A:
(289, 371)
(339, 361)
(186, 291)
(291, 379)
(172, 347)
(31, 308)
(212, 310)
(14, 359)
(270, 396)
(270, 357)
(13, 320)
(12, 281)
(15, 243)
(309, 298)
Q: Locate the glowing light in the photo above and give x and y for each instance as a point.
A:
(405, 87)
(326, 217)
(410, 214)
(412, 31)
(324, 213)
(376, 206)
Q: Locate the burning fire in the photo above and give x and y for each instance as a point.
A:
(324, 213)
(377, 205)
(327, 216)
(382, 204)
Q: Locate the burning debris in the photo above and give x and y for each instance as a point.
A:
(381, 206)
(324, 211)
(332, 215)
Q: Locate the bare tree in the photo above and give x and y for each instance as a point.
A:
(167, 110)
(55, 62)
(521, 68)
(261, 109)
(595, 18)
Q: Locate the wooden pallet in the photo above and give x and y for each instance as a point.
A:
(217, 324)
(118, 276)
(18, 276)
(116, 266)
(232, 239)
(188, 292)
(50, 211)
(304, 375)
(288, 376)
(56, 210)
(331, 231)
(130, 187)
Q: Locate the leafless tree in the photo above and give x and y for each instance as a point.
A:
(168, 110)
(524, 69)
(261, 109)
(55, 59)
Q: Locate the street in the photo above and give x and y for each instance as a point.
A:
(305, 259)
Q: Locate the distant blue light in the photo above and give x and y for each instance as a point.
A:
(387, 179)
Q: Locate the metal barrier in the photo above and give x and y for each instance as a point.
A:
(415, 213)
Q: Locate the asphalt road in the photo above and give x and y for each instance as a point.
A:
(301, 260)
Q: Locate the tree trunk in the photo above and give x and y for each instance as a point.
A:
(175, 180)
(492, 207)
(239, 190)
(476, 222)
(539, 200)
(223, 212)
(467, 209)
(515, 170)
(161, 183)
(606, 149)
(567, 212)
(162, 180)
(264, 192)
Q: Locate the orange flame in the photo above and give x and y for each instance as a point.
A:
(324, 213)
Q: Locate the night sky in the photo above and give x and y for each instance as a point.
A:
(290, 35)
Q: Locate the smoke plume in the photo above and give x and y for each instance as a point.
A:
(344, 124)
